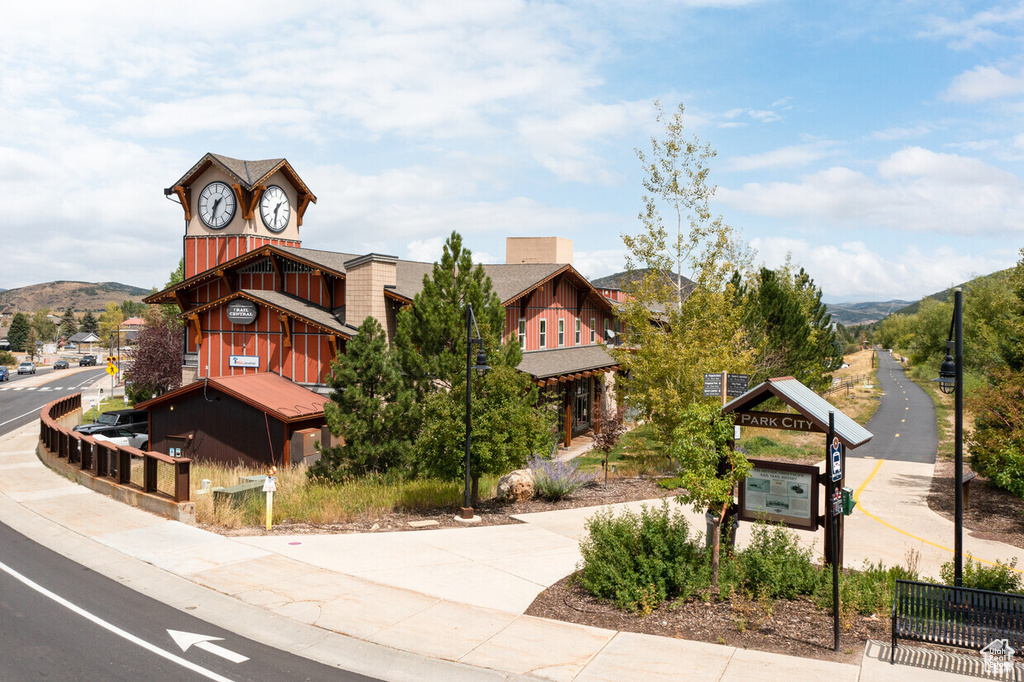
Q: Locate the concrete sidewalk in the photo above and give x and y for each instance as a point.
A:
(426, 604)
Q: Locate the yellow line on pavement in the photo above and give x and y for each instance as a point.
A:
(860, 505)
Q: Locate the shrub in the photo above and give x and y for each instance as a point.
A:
(774, 565)
(555, 479)
(7, 358)
(640, 560)
(999, 578)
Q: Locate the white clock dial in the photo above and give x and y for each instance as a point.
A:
(274, 208)
(216, 205)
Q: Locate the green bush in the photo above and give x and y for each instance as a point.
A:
(999, 578)
(867, 591)
(774, 565)
(556, 479)
(639, 561)
(7, 358)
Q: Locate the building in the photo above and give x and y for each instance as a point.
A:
(255, 300)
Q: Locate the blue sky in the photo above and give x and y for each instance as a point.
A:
(879, 144)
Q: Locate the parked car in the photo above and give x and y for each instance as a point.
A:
(123, 437)
(61, 364)
(70, 346)
(5, 374)
(27, 368)
(136, 421)
(87, 361)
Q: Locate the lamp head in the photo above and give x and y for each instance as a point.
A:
(947, 374)
(481, 367)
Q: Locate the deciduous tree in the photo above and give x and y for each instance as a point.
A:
(673, 336)
(110, 323)
(153, 364)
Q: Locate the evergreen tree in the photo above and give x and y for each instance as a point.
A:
(68, 323)
(89, 323)
(19, 332)
(431, 342)
(372, 407)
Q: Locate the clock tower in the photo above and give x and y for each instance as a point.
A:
(233, 207)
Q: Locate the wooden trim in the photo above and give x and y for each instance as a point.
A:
(182, 300)
(228, 279)
(197, 330)
(185, 197)
(332, 341)
(278, 273)
(300, 210)
(286, 330)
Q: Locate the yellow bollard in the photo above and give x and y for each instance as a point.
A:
(269, 487)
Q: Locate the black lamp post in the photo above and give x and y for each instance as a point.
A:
(951, 380)
(481, 368)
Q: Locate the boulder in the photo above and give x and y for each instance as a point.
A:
(516, 486)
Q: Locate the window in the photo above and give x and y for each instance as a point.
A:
(543, 333)
(578, 330)
(607, 328)
(593, 330)
(522, 333)
(561, 332)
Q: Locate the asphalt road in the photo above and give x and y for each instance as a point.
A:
(61, 621)
(904, 426)
(22, 396)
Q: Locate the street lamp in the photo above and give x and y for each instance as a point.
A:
(951, 380)
(481, 369)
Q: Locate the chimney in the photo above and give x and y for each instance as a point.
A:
(365, 279)
(556, 250)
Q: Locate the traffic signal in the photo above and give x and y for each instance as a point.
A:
(111, 358)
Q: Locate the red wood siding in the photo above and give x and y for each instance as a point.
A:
(552, 306)
(203, 253)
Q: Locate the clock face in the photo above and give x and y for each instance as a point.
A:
(274, 208)
(216, 205)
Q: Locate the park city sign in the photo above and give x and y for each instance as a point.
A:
(776, 420)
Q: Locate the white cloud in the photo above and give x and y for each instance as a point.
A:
(785, 157)
(854, 269)
(980, 28)
(915, 190)
(985, 82)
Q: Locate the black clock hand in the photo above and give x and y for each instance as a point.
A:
(213, 211)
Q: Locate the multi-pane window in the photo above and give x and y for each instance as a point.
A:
(593, 329)
(522, 333)
(543, 333)
(579, 327)
(561, 332)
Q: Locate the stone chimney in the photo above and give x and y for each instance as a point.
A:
(538, 250)
(365, 279)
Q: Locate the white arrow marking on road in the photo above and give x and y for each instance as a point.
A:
(204, 642)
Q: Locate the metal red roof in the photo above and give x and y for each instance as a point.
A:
(272, 393)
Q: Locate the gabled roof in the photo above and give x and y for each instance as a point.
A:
(297, 307)
(807, 403)
(265, 391)
(84, 337)
(247, 173)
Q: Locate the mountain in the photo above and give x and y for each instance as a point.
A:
(849, 314)
(57, 296)
(947, 294)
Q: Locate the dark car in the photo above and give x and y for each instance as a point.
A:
(5, 374)
(87, 361)
(61, 364)
(134, 420)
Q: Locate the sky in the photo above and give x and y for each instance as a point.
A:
(879, 145)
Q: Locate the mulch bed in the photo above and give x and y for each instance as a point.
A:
(993, 513)
(796, 628)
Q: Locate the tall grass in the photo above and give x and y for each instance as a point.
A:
(299, 499)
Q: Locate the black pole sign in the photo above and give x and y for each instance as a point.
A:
(712, 384)
(736, 384)
(833, 519)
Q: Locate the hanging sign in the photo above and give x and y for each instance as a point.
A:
(241, 311)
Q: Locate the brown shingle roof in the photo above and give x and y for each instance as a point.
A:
(248, 173)
(551, 363)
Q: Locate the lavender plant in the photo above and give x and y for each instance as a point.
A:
(555, 479)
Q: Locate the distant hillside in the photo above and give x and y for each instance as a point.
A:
(620, 279)
(57, 296)
(947, 294)
(850, 314)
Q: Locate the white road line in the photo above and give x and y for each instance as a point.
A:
(35, 411)
(209, 674)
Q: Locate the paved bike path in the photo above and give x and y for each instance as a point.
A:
(904, 426)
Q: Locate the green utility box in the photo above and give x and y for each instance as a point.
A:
(848, 502)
